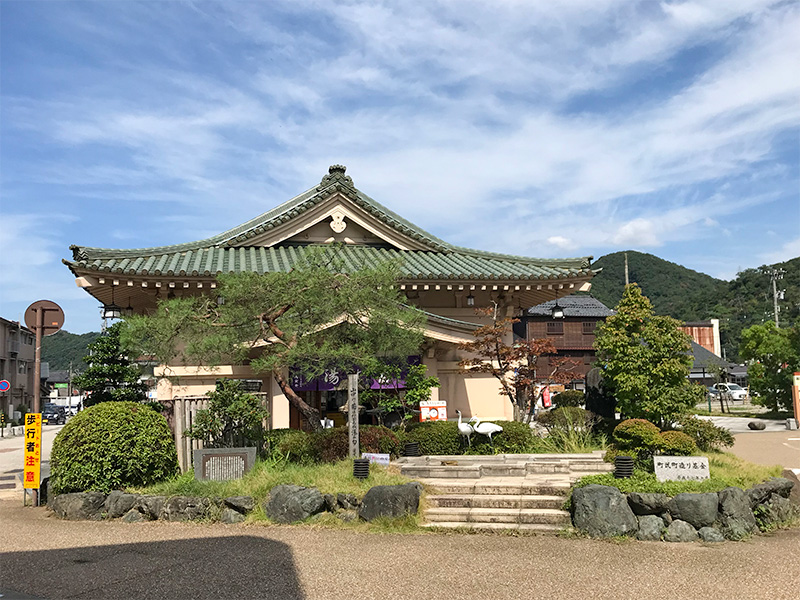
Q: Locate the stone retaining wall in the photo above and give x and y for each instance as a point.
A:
(732, 514)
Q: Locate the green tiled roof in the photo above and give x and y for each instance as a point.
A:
(415, 264)
(228, 252)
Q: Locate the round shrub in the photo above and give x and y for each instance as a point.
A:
(569, 398)
(110, 446)
(705, 434)
(436, 437)
(636, 434)
(676, 443)
(516, 438)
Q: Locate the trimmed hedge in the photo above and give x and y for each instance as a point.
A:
(705, 434)
(676, 443)
(565, 417)
(516, 438)
(330, 445)
(569, 398)
(110, 446)
(436, 437)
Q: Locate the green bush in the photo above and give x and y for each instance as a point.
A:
(332, 445)
(516, 438)
(705, 434)
(292, 445)
(110, 446)
(437, 437)
(569, 398)
(676, 443)
(636, 434)
(566, 417)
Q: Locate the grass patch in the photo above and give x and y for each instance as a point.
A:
(327, 478)
(570, 441)
(726, 469)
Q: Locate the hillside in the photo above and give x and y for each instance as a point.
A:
(62, 347)
(688, 295)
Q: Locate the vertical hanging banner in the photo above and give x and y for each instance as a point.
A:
(352, 415)
(33, 451)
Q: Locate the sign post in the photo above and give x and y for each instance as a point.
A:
(352, 415)
(33, 454)
(4, 387)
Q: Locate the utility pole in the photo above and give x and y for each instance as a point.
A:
(627, 280)
(775, 275)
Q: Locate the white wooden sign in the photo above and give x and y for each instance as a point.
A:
(379, 459)
(681, 468)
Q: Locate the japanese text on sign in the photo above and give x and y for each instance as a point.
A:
(681, 468)
(33, 451)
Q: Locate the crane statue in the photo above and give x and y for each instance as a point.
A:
(465, 429)
(487, 429)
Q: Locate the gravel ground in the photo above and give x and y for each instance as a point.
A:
(44, 557)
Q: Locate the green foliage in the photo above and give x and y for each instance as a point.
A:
(63, 348)
(233, 418)
(110, 446)
(435, 437)
(569, 398)
(566, 418)
(402, 401)
(330, 445)
(111, 376)
(646, 361)
(516, 438)
(570, 440)
(776, 355)
(676, 443)
(324, 313)
(635, 437)
(296, 446)
(705, 434)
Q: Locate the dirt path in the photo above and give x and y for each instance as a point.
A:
(50, 558)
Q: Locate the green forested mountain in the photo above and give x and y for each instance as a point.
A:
(62, 347)
(691, 296)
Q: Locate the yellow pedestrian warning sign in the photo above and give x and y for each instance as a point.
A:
(33, 451)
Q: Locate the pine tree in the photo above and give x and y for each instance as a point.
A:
(110, 376)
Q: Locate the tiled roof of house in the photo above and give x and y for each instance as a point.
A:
(573, 306)
(705, 359)
(228, 252)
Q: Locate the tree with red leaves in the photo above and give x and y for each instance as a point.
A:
(514, 366)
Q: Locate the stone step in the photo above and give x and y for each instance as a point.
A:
(460, 467)
(548, 516)
(495, 501)
(532, 528)
(512, 487)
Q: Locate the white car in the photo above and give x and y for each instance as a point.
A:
(736, 392)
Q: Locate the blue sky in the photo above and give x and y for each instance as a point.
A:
(538, 128)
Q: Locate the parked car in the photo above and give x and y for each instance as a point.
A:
(54, 415)
(735, 391)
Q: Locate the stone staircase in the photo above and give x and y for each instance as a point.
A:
(520, 492)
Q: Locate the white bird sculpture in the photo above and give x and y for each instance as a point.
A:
(487, 429)
(465, 429)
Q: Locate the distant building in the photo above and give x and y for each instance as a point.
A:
(568, 323)
(705, 334)
(17, 355)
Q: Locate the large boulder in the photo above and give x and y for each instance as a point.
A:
(650, 528)
(699, 510)
(118, 503)
(736, 520)
(794, 495)
(602, 511)
(150, 506)
(648, 504)
(390, 501)
(185, 508)
(79, 506)
(292, 503)
(680, 531)
(133, 516)
(231, 516)
(757, 425)
(347, 501)
(774, 485)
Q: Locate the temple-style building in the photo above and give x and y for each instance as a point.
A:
(446, 281)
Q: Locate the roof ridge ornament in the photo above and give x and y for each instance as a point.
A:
(336, 175)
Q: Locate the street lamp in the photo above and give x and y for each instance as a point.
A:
(557, 312)
(470, 300)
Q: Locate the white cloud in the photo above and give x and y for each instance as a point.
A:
(560, 241)
(789, 250)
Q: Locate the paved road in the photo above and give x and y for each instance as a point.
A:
(11, 454)
(48, 558)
